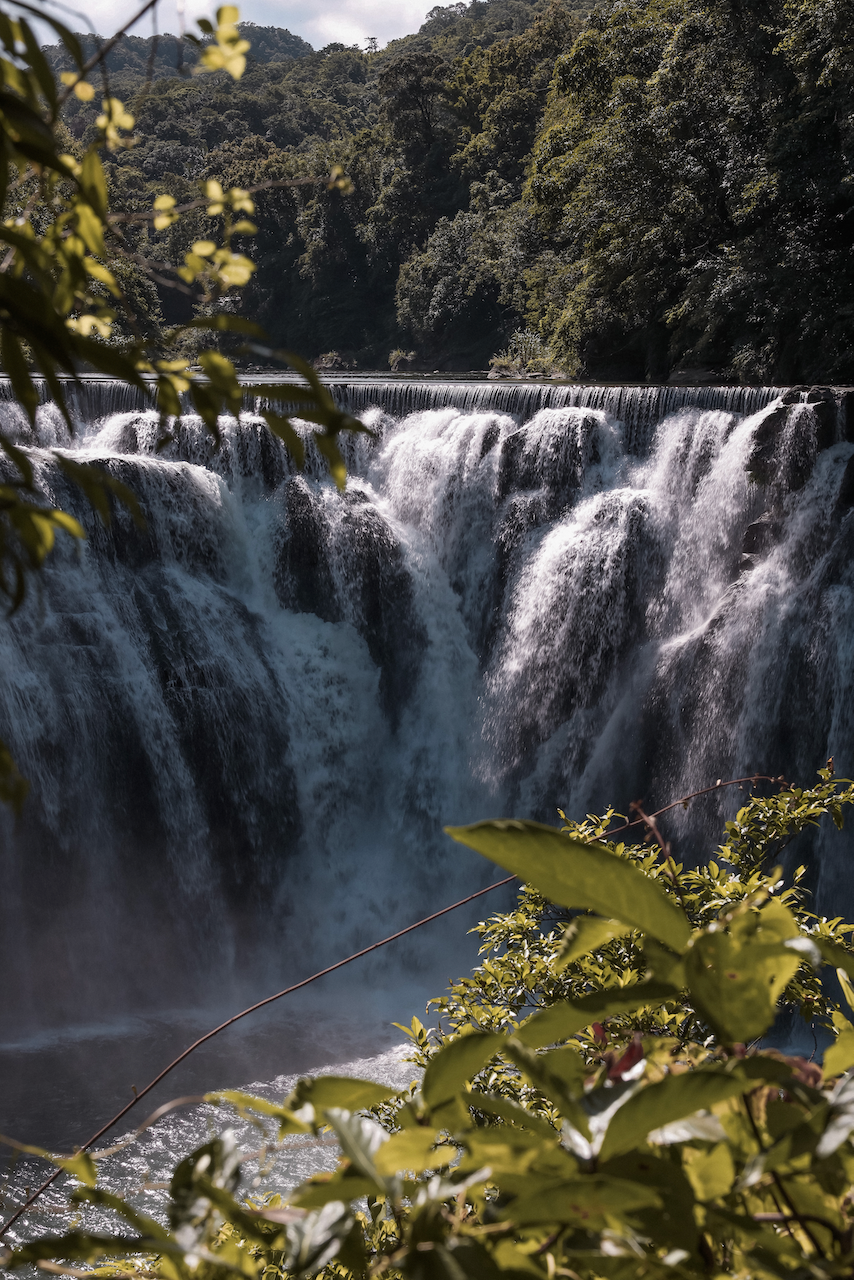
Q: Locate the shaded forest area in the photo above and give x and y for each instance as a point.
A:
(658, 189)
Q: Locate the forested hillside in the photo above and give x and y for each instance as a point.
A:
(659, 188)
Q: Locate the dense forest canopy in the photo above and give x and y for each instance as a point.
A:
(657, 188)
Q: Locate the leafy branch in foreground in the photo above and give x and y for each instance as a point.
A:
(592, 1108)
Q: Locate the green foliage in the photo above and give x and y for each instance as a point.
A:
(653, 188)
(589, 1108)
(525, 353)
(685, 225)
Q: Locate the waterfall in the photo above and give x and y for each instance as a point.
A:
(246, 726)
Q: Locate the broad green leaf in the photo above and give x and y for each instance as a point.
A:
(247, 1104)
(108, 1200)
(847, 988)
(736, 984)
(314, 1195)
(360, 1139)
(711, 1173)
(568, 1065)
(573, 874)
(82, 1167)
(584, 935)
(328, 446)
(98, 486)
(664, 965)
(94, 182)
(560, 1021)
(671, 1099)
(833, 953)
(673, 1224)
(338, 1091)
(456, 1063)
(585, 1202)
(292, 440)
(15, 365)
(413, 1151)
(560, 1086)
(494, 1105)
(840, 1055)
(88, 1246)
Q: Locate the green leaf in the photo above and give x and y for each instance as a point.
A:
(671, 1099)
(88, 1246)
(736, 983)
(93, 182)
(292, 440)
(586, 934)
(108, 1200)
(19, 375)
(38, 62)
(847, 988)
(247, 1104)
(456, 1063)
(833, 953)
(413, 1150)
(224, 322)
(587, 1202)
(574, 874)
(560, 1021)
(338, 1091)
(494, 1105)
(98, 486)
(314, 1195)
(328, 447)
(711, 1173)
(840, 1055)
(82, 1167)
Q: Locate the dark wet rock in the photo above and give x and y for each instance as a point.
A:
(760, 536)
(824, 413)
(762, 465)
(344, 563)
(303, 577)
(788, 439)
(818, 394)
(490, 439)
(845, 500)
(383, 605)
(846, 414)
(793, 395)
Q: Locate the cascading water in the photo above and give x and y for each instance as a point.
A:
(246, 726)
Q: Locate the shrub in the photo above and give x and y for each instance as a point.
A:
(598, 1101)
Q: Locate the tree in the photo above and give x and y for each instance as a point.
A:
(691, 188)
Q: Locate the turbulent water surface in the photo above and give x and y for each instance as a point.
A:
(246, 726)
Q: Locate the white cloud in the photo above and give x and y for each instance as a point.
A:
(347, 21)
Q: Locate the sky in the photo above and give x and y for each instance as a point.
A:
(347, 21)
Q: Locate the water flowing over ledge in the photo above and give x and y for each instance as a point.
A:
(246, 726)
(638, 407)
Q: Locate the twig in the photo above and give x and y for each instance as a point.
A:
(796, 1215)
(683, 800)
(236, 1018)
(664, 846)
